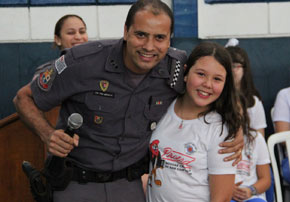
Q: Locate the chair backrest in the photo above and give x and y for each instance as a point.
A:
(274, 139)
(272, 114)
(280, 149)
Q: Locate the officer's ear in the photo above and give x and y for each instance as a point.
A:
(125, 33)
(184, 67)
(185, 77)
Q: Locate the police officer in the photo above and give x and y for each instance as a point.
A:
(121, 88)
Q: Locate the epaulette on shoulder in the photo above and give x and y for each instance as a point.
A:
(178, 59)
(177, 54)
(90, 48)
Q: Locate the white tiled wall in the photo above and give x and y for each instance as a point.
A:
(279, 18)
(43, 20)
(214, 21)
(243, 20)
(14, 24)
(111, 20)
(36, 24)
(225, 20)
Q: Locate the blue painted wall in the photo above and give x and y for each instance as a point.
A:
(185, 16)
(18, 62)
(61, 2)
(13, 2)
(241, 1)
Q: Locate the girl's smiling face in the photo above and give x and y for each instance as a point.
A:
(205, 81)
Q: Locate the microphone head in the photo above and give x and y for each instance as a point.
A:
(75, 121)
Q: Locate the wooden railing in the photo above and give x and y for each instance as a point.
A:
(18, 143)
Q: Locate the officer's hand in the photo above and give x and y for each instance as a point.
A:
(241, 193)
(234, 146)
(60, 144)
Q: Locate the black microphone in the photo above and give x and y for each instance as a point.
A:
(55, 164)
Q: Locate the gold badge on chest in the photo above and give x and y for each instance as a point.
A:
(104, 85)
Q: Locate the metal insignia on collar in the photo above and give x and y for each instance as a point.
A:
(104, 85)
(176, 74)
(60, 64)
(190, 148)
(98, 119)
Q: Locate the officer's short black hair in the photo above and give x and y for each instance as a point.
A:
(156, 6)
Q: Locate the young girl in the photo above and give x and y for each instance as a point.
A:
(185, 164)
(245, 84)
(253, 171)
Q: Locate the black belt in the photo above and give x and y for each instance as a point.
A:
(83, 175)
(131, 173)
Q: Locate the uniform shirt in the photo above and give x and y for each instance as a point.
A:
(282, 106)
(257, 115)
(253, 154)
(183, 158)
(91, 79)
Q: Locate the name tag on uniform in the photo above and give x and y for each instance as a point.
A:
(104, 94)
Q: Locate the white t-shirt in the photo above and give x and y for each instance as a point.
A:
(257, 115)
(253, 154)
(184, 158)
(282, 106)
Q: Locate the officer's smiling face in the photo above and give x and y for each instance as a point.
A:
(148, 40)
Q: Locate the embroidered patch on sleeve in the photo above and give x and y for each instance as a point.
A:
(60, 64)
(45, 78)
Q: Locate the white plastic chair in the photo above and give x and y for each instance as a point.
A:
(280, 149)
(274, 139)
(281, 155)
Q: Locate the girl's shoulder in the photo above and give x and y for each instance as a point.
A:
(285, 92)
(258, 105)
(212, 117)
(257, 100)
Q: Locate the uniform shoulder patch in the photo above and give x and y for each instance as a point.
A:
(60, 64)
(46, 77)
(39, 69)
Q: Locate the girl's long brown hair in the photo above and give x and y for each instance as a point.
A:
(227, 104)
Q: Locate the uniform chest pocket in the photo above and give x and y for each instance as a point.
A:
(157, 107)
(101, 102)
